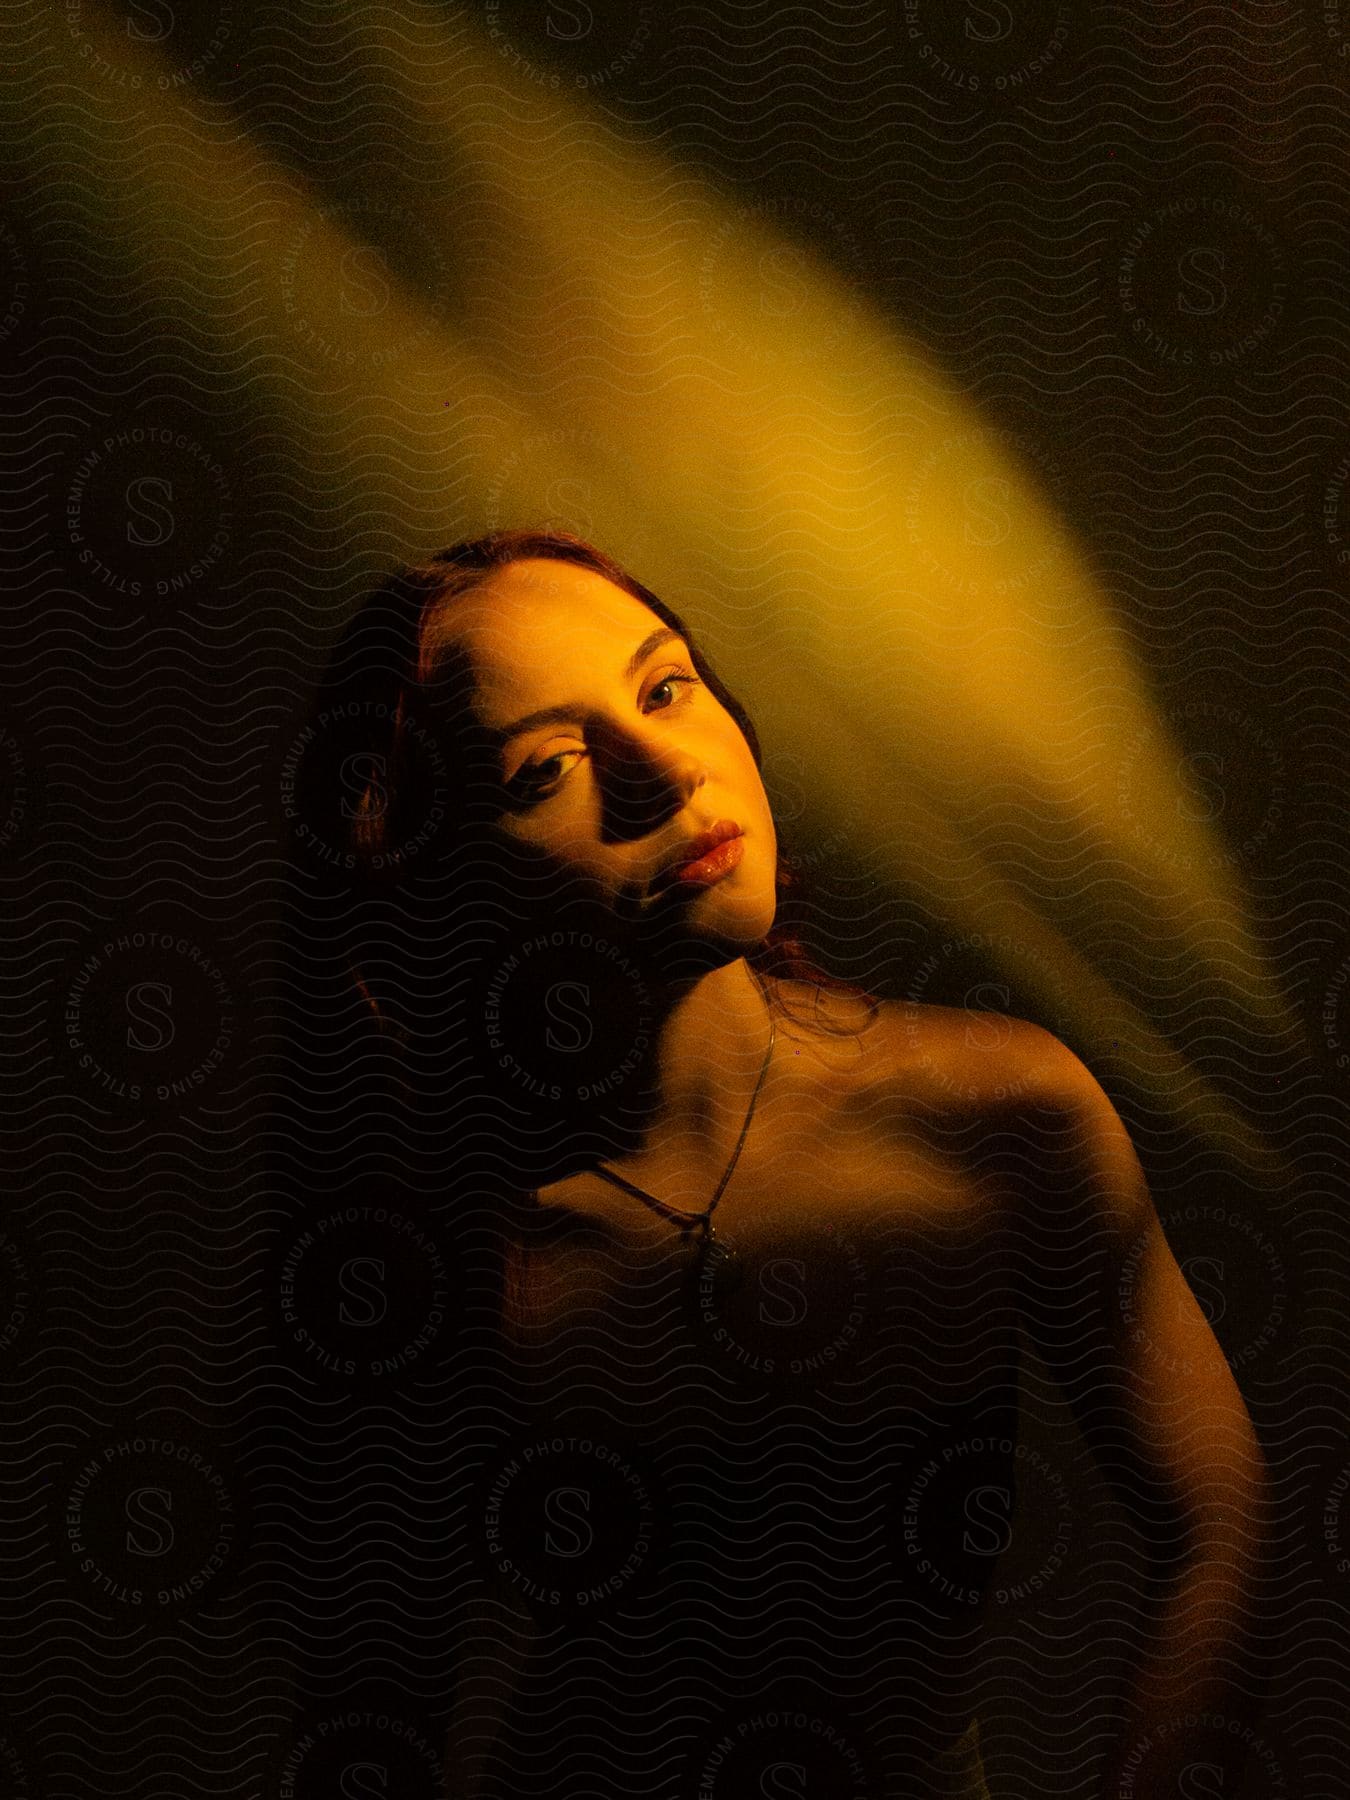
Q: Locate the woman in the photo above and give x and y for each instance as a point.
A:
(766, 1245)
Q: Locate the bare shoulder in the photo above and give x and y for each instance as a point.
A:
(951, 1058)
(994, 1071)
(962, 1061)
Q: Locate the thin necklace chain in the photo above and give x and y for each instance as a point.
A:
(704, 1218)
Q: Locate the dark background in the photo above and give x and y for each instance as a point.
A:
(146, 1241)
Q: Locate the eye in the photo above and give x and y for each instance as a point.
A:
(676, 678)
(533, 782)
(532, 779)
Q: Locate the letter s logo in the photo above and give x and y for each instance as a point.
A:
(1200, 1781)
(1202, 271)
(987, 518)
(154, 496)
(140, 1511)
(1206, 798)
(783, 1781)
(991, 1508)
(569, 502)
(158, 1029)
(998, 21)
(363, 775)
(582, 19)
(773, 1283)
(789, 791)
(363, 1781)
(1209, 1295)
(581, 1537)
(988, 1033)
(159, 17)
(578, 1022)
(363, 1277)
(364, 270)
(785, 282)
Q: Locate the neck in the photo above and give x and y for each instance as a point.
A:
(676, 1123)
(710, 1040)
(620, 1060)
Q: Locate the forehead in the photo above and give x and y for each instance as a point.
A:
(533, 624)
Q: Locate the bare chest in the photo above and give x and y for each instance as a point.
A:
(856, 1259)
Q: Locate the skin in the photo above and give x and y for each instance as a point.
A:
(650, 764)
(917, 1135)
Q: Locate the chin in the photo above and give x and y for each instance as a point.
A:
(747, 920)
(718, 926)
(733, 917)
(742, 906)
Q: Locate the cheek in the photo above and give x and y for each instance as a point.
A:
(590, 873)
(752, 785)
(563, 848)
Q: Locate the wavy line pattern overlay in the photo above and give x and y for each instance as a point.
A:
(971, 376)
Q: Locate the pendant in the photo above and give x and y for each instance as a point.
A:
(718, 1267)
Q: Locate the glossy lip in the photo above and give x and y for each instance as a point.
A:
(705, 870)
(693, 848)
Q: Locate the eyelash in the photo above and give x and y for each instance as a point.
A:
(536, 790)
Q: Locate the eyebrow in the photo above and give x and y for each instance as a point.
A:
(569, 712)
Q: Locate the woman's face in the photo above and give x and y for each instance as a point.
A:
(637, 759)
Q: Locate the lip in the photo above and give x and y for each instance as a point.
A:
(704, 857)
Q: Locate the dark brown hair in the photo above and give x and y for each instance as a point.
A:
(389, 682)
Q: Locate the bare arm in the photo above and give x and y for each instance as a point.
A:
(1155, 1399)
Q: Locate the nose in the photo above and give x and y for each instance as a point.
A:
(646, 776)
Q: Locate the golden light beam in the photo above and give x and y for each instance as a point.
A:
(881, 573)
